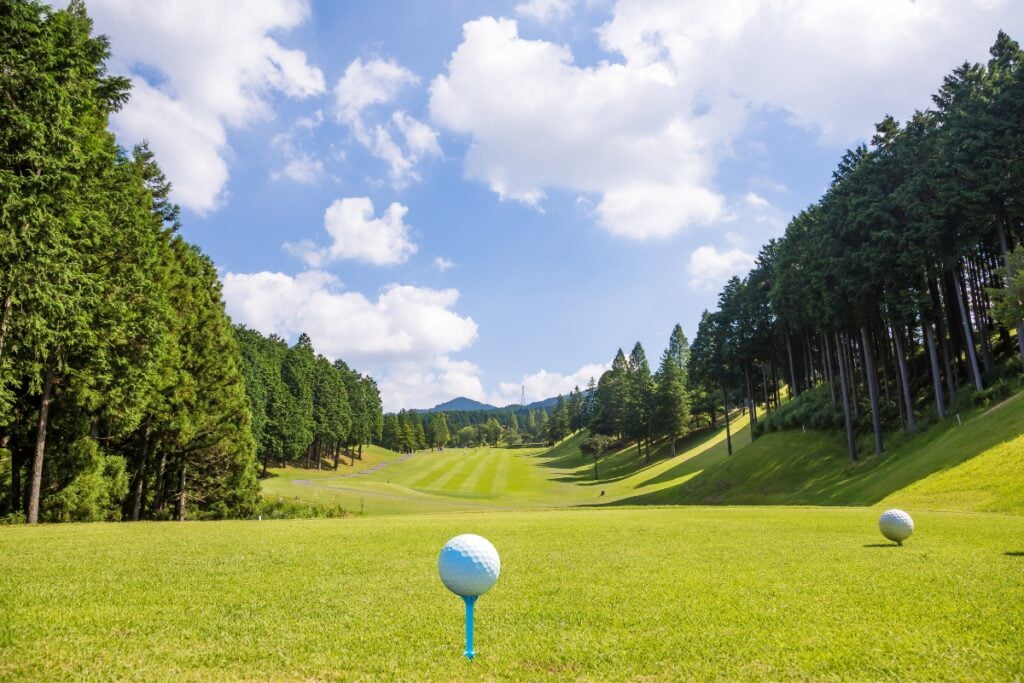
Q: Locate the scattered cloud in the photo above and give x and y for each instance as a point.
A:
(404, 336)
(356, 234)
(301, 165)
(644, 132)
(544, 11)
(369, 84)
(711, 267)
(836, 66)
(443, 264)
(543, 384)
(199, 69)
(756, 200)
(613, 130)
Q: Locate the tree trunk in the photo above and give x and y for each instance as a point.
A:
(901, 361)
(829, 369)
(1003, 247)
(37, 461)
(794, 390)
(140, 478)
(750, 398)
(161, 470)
(179, 504)
(16, 466)
(850, 444)
(872, 375)
(764, 377)
(728, 432)
(972, 356)
(929, 337)
(881, 343)
(846, 361)
(337, 454)
(972, 290)
(266, 460)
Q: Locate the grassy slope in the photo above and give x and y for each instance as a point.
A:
(976, 467)
(653, 594)
(428, 481)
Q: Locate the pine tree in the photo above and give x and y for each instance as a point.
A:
(672, 407)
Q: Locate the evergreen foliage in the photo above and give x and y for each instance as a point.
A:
(122, 383)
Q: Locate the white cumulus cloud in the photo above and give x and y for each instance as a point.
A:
(616, 130)
(543, 384)
(403, 337)
(645, 131)
(356, 234)
(710, 267)
(544, 11)
(443, 264)
(369, 84)
(201, 68)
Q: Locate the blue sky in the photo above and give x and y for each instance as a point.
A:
(462, 198)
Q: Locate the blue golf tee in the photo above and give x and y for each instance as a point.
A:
(470, 600)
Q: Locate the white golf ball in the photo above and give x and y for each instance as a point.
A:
(896, 525)
(469, 565)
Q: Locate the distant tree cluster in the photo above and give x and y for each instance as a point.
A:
(630, 403)
(120, 390)
(305, 409)
(412, 430)
(897, 293)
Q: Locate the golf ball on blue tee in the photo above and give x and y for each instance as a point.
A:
(896, 525)
(469, 565)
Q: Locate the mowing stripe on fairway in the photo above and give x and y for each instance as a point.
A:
(485, 484)
(487, 465)
(445, 475)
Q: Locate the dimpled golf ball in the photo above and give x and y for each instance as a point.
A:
(469, 565)
(896, 525)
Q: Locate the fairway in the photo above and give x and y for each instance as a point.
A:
(655, 593)
(486, 478)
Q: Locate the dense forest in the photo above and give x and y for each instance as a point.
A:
(305, 409)
(410, 430)
(896, 296)
(122, 382)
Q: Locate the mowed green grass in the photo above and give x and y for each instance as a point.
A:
(427, 481)
(974, 467)
(613, 594)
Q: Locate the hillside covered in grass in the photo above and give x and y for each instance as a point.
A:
(978, 466)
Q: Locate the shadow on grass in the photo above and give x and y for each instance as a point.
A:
(881, 545)
(1014, 553)
(795, 468)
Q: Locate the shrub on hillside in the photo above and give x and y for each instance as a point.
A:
(812, 409)
(279, 508)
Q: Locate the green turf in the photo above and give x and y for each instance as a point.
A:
(638, 593)
(975, 467)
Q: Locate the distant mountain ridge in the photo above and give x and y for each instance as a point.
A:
(460, 403)
(468, 404)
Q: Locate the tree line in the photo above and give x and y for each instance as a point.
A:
(411, 430)
(305, 409)
(897, 295)
(125, 392)
(631, 403)
(120, 390)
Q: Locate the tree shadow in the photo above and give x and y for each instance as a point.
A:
(792, 468)
(1014, 553)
